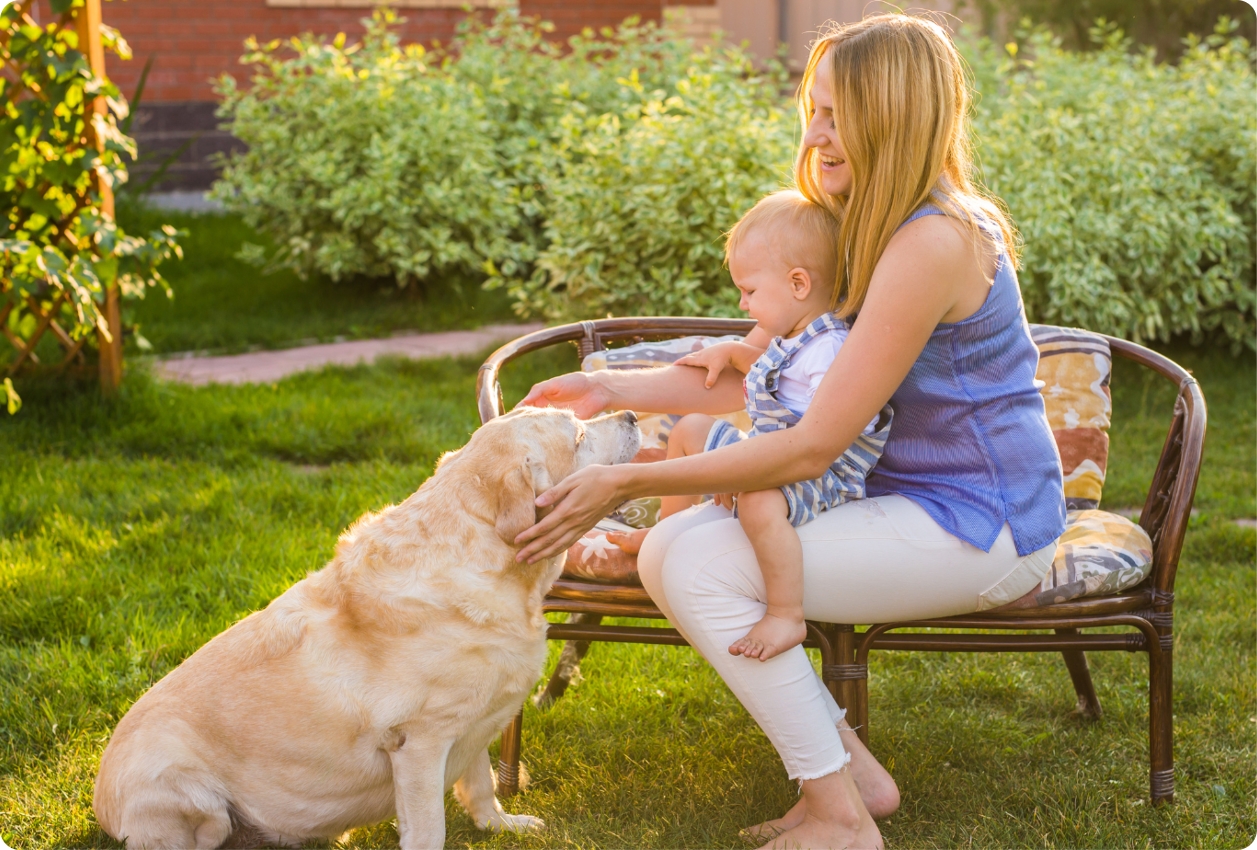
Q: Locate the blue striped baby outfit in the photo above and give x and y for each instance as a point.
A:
(844, 480)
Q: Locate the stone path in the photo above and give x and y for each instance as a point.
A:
(265, 366)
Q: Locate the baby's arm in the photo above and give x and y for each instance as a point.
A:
(714, 358)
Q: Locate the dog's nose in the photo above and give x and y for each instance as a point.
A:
(631, 417)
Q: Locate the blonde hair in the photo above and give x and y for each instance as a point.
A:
(901, 112)
(801, 234)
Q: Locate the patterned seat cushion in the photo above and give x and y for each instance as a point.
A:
(1099, 554)
(595, 558)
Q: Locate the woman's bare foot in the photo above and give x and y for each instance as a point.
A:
(772, 828)
(876, 786)
(771, 636)
(629, 541)
(836, 818)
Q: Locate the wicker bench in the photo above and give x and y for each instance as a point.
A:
(1146, 611)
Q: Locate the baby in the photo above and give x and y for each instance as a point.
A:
(782, 259)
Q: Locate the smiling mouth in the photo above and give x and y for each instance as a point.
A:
(831, 162)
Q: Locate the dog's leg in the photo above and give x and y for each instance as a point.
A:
(419, 788)
(176, 830)
(474, 790)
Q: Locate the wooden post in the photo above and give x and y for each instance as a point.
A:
(87, 21)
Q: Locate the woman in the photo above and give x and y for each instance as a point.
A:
(964, 507)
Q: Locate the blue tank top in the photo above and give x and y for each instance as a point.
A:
(970, 442)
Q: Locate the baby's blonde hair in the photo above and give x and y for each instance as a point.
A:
(800, 233)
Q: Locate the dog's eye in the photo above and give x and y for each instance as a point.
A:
(580, 436)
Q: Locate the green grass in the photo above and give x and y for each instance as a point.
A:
(133, 531)
(223, 304)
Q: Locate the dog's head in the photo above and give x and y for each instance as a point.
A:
(529, 450)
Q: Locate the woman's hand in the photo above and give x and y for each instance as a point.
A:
(580, 500)
(579, 392)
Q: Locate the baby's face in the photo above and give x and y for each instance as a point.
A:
(764, 281)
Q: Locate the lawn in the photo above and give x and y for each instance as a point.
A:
(131, 532)
(223, 304)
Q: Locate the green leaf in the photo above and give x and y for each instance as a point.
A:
(12, 401)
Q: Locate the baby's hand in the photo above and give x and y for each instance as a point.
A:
(713, 358)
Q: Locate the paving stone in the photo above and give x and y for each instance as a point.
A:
(265, 366)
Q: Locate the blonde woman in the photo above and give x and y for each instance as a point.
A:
(966, 504)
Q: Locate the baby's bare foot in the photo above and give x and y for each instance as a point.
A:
(629, 541)
(771, 636)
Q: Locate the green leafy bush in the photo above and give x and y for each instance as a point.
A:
(528, 84)
(599, 178)
(58, 249)
(637, 217)
(1133, 182)
(368, 159)
(1163, 24)
(374, 159)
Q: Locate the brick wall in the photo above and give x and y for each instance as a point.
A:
(194, 41)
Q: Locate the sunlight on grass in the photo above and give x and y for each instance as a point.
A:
(226, 305)
(131, 532)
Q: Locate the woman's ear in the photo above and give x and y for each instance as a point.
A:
(800, 283)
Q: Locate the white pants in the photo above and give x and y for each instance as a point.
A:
(867, 561)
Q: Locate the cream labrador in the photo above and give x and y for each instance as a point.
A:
(371, 687)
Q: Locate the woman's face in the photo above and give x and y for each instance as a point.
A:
(821, 135)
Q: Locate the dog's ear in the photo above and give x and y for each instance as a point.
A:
(517, 509)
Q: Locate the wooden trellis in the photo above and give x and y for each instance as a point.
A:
(86, 20)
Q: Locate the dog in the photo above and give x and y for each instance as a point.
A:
(375, 684)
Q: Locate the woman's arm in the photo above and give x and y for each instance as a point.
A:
(677, 389)
(923, 272)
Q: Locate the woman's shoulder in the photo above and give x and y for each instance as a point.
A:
(935, 246)
(940, 252)
(934, 232)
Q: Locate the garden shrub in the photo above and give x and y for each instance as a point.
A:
(1164, 24)
(367, 159)
(638, 217)
(374, 159)
(57, 244)
(599, 178)
(528, 83)
(1132, 182)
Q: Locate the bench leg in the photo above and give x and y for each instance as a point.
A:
(847, 681)
(1080, 673)
(508, 756)
(1161, 722)
(569, 663)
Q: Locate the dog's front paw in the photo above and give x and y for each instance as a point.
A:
(503, 822)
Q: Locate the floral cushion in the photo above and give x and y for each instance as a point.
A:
(1099, 554)
(595, 558)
